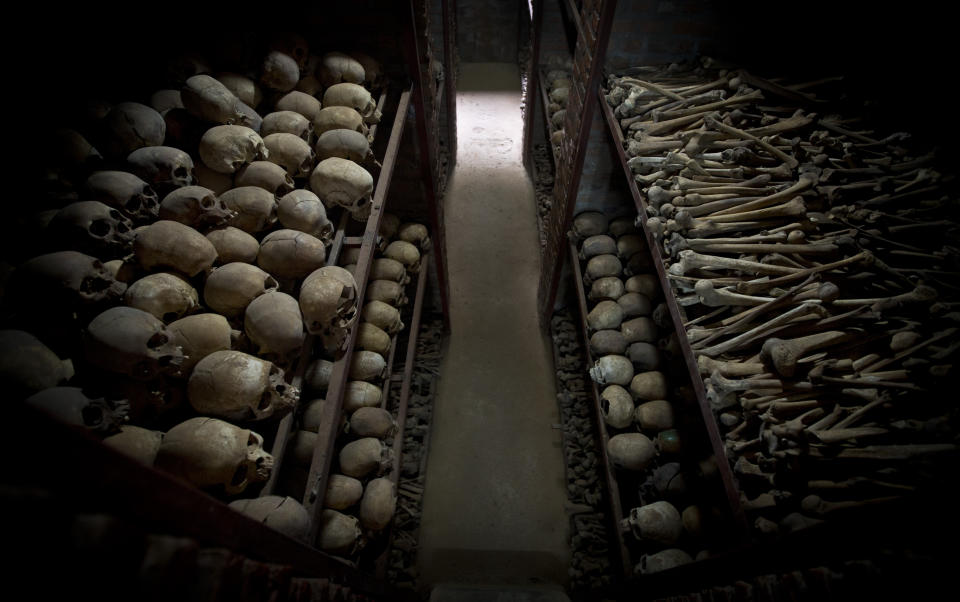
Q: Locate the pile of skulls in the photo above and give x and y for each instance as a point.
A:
(557, 81)
(645, 398)
(816, 259)
(182, 263)
(360, 498)
(591, 563)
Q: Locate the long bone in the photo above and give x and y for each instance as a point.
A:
(793, 208)
(920, 294)
(783, 355)
(759, 330)
(651, 128)
(684, 183)
(755, 286)
(854, 483)
(805, 181)
(712, 297)
(796, 427)
(784, 125)
(712, 122)
(733, 100)
(708, 365)
(709, 246)
(814, 504)
(840, 435)
(691, 260)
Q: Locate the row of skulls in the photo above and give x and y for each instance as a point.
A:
(628, 341)
(168, 267)
(360, 498)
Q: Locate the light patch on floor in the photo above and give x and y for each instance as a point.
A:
(493, 508)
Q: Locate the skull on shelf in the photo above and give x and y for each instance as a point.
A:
(132, 342)
(72, 406)
(237, 386)
(208, 452)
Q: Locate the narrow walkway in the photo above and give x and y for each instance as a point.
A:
(493, 510)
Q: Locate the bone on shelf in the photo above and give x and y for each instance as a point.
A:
(813, 252)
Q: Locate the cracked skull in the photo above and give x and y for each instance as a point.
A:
(238, 386)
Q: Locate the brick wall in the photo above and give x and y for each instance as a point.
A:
(488, 30)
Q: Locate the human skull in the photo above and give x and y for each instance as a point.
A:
(354, 96)
(65, 279)
(607, 287)
(365, 456)
(200, 335)
(361, 394)
(640, 329)
(298, 102)
(337, 67)
(138, 443)
(405, 253)
(656, 415)
(242, 87)
(389, 226)
(267, 175)
(336, 118)
(599, 244)
(342, 182)
(274, 324)
(279, 71)
(339, 533)
(227, 148)
(230, 288)
(233, 244)
(72, 151)
(378, 504)
(373, 70)
(634, 305)
(384, 268)
(607, 342)
(238, 386)
(601, 266)
(342, 492)
(283, 514)
(163, 100)
(617, 406)
(372, 422)
(28, 366)
(645, 284)
(328, 301)
(165, 296)
(343, 143)
(649, 386)
(210, 100)
(195, 206)
(644, 356)
(208, 453)
(129, 126)
(290, 254)
(291, 153)
(388, 291)
(126, 192)
(93, 227)
(589, 223)
(166, 244)
(659, 522)
(287, 122)
(663, 560)
(605, 315)
(302, 210)
(367, 365)
(165, 168)
(132, 342)
(612, 370)
(372, 338)
(70, 405)
(256, 208)
(383, 316)
(415, 234)
(631, 451)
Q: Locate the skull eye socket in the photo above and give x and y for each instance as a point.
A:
(133, 204)
(207, 202)
(157, 340)
(180, 172)
(92, 416)
(362, 202)
(100, 228)
(239, 476)
(264, 401)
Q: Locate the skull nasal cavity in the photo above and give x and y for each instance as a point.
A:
(94, 285)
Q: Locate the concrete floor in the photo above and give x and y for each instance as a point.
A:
(493, 509)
